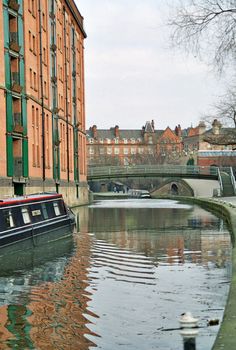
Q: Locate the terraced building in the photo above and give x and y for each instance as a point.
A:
(42, 129)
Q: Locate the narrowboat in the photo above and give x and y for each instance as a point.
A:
(139, 194)
(37, 218)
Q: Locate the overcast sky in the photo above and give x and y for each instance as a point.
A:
(132, 75)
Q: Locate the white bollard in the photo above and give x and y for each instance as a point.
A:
(189, 331)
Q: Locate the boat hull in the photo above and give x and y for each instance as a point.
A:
(38, 221)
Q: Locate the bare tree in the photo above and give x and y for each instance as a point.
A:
(224, 109)
(206, 27)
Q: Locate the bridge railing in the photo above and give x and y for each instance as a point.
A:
(168, 170)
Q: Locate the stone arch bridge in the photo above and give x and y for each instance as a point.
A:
(180, 179)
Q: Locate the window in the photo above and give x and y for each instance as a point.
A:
(126, 151)
(116, 150)
(31, 78)
(140, 150)
(30, 43)
(33, 7)
(150, 139)
(150, 150)
(133, 150)
(44, 56)
(101, 151)
(109, 150)
(44, 21)
(25, 215)
(8, 218)
(91, 150)
(34, 44)
(35, 82)
(44, 209)
(56, 209)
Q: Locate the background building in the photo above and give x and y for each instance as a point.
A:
(117, 146)
(194, 145)
(42, 130)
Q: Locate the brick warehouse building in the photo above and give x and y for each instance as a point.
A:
(42, 131)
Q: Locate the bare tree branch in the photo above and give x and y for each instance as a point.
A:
(224, 109)
(206, 26)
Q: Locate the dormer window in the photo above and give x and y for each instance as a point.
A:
(132, 140)
(125, 140)
(116, 140)
(108, 141)
(91, 140)
(101, 140)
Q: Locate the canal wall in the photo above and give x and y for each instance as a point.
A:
(226, 208)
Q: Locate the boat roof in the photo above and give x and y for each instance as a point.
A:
(29, 198)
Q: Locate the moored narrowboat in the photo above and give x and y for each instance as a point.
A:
(38, 218)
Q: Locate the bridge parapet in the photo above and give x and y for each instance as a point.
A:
(191, 171)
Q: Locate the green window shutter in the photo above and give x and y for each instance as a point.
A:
(7, 71)
(21, 35)
(24, 114)
(56, 153)
(20, 11)
(6, 27)
(10, 165)
(75, 155)
(9, 118)
(22, 73)
(25, 158)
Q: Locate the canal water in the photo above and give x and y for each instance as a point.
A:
(121, 282)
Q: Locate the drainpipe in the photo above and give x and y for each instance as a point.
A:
(66, 84)
(42, 92)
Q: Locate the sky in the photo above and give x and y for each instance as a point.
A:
(133, 75)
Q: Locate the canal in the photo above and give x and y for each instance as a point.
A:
(121, 282)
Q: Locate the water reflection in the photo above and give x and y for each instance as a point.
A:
(128, 274)
(154, 260)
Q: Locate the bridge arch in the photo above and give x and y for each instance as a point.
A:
(178, 187)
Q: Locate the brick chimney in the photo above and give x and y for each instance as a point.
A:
(116, 131)
(178, 130)
(216, 126)
(153, 125)
(94, 131)
(201, 127)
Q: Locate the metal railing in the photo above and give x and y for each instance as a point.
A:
(15, 78)
(17, 119)
(13, 37)
(155, 170)
(233, 179)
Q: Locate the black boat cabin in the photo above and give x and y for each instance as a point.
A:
(33, 216)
